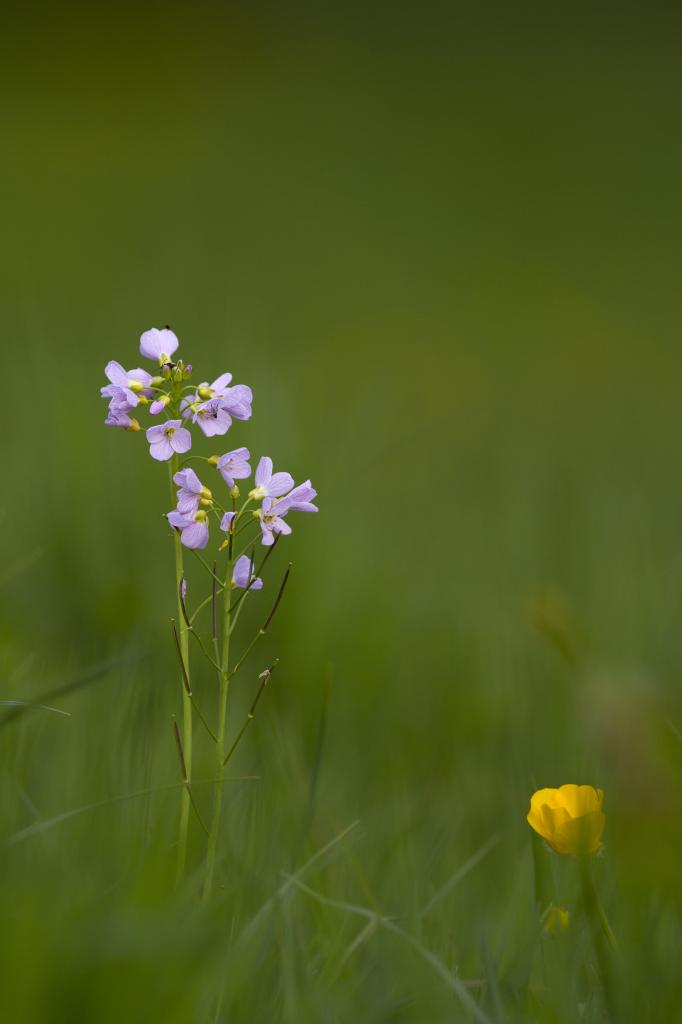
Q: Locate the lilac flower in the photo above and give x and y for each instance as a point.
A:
(125, 387)
(212, 417)
(118, 417)
(234, 465)
(214, 406)
(191, 492)
(238, 401)
(193, 527)
(158, 345)
(269, 484)
(272, 512)
(226, 521)
(271, 523)
(168, 438)
(243, 575)
(298, 500)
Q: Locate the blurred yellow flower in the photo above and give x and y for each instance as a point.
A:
(569, 818)
(556, 919)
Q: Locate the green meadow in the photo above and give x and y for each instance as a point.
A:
(442, 246)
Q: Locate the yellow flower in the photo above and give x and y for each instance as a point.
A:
(569, 818)
(556, 919)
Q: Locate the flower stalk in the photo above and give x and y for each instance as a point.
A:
(223, 688)
(183, 641)
(183, 410)
(603, 939)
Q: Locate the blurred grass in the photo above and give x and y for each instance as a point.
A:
(443, 249)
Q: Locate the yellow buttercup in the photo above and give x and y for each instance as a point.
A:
(569, 818)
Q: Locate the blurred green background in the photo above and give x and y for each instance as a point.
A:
(442, 245)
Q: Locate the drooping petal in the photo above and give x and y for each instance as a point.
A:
(195, 535)
(242, 574)
(267, 536)
(122, 397)
(188, 480)
(177, 519)
(238, 401)
(226, 521)
(117, 418)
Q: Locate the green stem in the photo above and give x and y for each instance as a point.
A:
(224, 683)
(185, 796)
(602, 935)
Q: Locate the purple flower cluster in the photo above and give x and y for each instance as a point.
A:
(212, 407)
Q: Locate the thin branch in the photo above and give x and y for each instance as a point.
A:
(203, 721)
(206, 566)
(205, 653)
(185, 677)
(265, 679)
(203, 604)
(183, 769)
(181, 600)
(181, 753)
(277, 599)
(262, 631)
(214, 628)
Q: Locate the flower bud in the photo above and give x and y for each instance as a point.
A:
(214, 460)
(157, 382)
(187, 372)
(142, 400)
(234, 491)
(255, 514)
(206, 494)
(200, 516)
(257, 493)
(204, 392)
(556, 919)
(135, 386)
